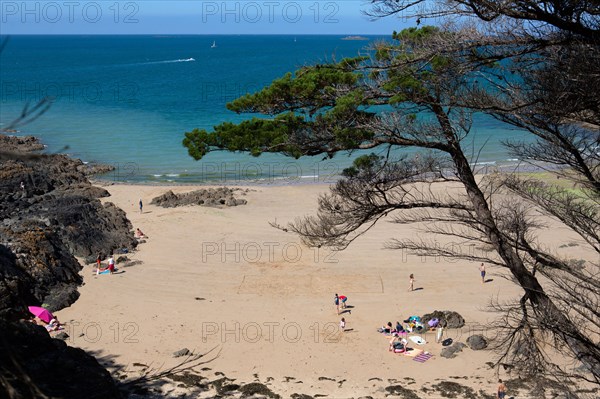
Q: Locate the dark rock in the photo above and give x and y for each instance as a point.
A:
(181, 352)
(399, 390)
(62, 336)
(477, 342)
(451, 351)
(49, 213)
(221, 196)
(91, 169)
(448, 318)
(60, 296)
(122, 259)
(326, 379)
(301, 396)
(229, 388)
(31, 359)
(89, 260)
(36, 269)
(256, 388)
(56, 217)
(449, 389)
(22, 144)
(220, 385)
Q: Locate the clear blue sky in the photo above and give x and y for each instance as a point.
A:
(295, 17)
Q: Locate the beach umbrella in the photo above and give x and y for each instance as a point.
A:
(42, 313)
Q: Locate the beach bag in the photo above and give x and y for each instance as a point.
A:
(433, 323)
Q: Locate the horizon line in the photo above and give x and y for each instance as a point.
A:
(195, 34)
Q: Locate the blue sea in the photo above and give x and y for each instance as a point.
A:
(128, 100)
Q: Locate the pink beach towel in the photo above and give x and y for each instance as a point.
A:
(423, 357)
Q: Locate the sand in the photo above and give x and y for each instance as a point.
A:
(225, 279)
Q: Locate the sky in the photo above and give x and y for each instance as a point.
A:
(218, 17)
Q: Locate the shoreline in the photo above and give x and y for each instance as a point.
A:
(482, 170)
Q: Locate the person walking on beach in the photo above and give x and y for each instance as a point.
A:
(482, 270)
(141, 205)
(336, 302)
(501, 390)
(98, 261)
(343, 324)
(411, 287)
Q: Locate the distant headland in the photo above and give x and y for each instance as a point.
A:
(355, 38)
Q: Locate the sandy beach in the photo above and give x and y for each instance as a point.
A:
(223, 278)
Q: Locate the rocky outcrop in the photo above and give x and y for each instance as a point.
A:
(447, 318)
(222, 196)
(33, 364)
(50, 213)
(90, 169)
(451, 351)
(23, 144)
(477, 342)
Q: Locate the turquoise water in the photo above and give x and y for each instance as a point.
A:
(127, 101)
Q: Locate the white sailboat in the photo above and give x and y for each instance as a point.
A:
(214, 44)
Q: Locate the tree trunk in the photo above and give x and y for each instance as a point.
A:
(538, 298)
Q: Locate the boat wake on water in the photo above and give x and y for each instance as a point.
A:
(166, 62)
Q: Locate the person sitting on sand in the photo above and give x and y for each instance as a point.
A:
(110, 267)
(399, 329)
(139, 234)
(398, 345)
(54, 325)
(387, 329)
